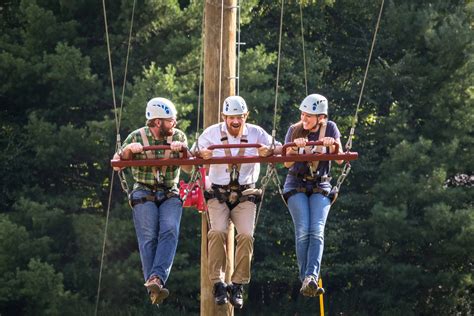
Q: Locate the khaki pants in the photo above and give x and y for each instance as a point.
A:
(243, 217)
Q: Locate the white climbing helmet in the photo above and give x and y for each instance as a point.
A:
(160, 108)
(234, 105)
(315, 104)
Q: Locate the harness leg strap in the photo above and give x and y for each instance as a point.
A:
(142, 200)
(153, 198)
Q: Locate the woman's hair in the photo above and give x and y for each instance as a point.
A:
(298, 131)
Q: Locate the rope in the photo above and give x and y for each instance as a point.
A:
(103, 243)
(354, 119)
(277, 76)
(238, 48)
(126, 66)
(220, 61)
(347, 167)
(304, 54)
(123, 181)
(121, 174)
(110, 66)
(201, 63)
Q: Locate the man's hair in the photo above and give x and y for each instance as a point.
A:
(151, 122)
(246, 115)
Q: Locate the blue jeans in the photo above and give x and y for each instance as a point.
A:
(157, 231)
(309, 217)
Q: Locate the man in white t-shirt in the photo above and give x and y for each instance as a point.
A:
(232, 196)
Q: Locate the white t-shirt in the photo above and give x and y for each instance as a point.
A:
(249, 172)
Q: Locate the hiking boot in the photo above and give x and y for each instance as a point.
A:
(220, 293)
(156, 290)
(310, 287)
(236, 294)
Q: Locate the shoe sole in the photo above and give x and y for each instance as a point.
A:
(312, 290)
(157, 294)
(239, 306)
(223, 302)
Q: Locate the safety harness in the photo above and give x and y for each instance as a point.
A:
(152, 196)
(232, 197)
(309, 188)
(311, 180)
(233, 193)
(159, 175)
(313, 165)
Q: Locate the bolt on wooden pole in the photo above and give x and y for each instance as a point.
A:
(219, 83)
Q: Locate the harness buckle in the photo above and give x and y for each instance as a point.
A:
(160, 178)
(233, 197)
(234, 174)
(234, 180)
(311, 172)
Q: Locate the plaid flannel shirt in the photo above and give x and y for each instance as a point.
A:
(144, 175)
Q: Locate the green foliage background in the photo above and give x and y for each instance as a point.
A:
(400, 239)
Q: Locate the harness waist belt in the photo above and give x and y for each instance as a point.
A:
(224, 194)
(229, 187)
(155, 187)
(152, 197)
(308, 177)
(305, 177)
(308, 192)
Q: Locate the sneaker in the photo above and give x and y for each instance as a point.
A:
(157, 292)
(236, 294)
(220, 293)
(310, 287)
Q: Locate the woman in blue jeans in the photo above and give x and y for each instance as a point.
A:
(307, 187)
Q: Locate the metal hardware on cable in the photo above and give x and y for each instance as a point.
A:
(123, 182)
(192, 192)
(271, 174)
(345, 171)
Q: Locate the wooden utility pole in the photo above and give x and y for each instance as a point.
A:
(219, 83)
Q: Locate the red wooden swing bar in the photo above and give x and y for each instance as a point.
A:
(185, 160)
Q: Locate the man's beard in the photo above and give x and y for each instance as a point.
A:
(165, 132)
(235, 127)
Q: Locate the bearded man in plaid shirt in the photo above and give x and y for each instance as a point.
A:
(157, 208)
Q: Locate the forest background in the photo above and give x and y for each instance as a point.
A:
(400, 239)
